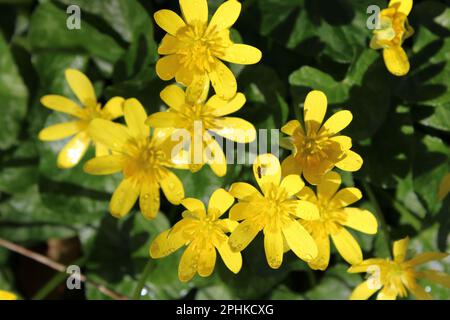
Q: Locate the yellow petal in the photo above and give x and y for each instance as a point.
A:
(345, 143)
(241, 54)
(101, 150)
(223, 80)
(352, 162)
(396, 61)
(62, 104)
(113, 108)
(401, 249)
(267, 171)
(403, 6)
(172, 187)
(241, 211)
(225, 16)
(61, 130)
(207, 260)
(221, 107)
(444, 187)
(314, 110)
(227, 225)
(419, 292)
(185, 77)
(214, 156)
(188, 263)
(82, 87)
(73, 151)
(323, 254)
(170, 45)
(361, 220)
(307, 194)
(194, 205)
(387, 294)
(111, 134)
(427, 257)
(314, 172)
(440, 278)
(168, 66)
(104, 165)
(174, 97)
(292, 184)
(5, 295)
(345, 197)
(242, 190)
(194, 11)
(235, 129)
(306, 210)
(291, 166)
(347, 246)
(166, 243)
(169, 21)
(220, 200)
(243, 235)
(149, 199)
(329, 186)
(363, 291)
(366, 265)
(233, 260)
(198, 90)
(135, 116)
(124, 198)
(273, 246)
(336, 123)
(300, 241)
(165, 119)
(290, 127)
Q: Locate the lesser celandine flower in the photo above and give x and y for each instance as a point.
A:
(396, 277)
(316, 147)
(194, 48)
(275, 212)
(394, 29)
(5, 295)
(90, 109)
(200, 117)
(203, 232)
(444, 187)
(335, 215)
(143, 159)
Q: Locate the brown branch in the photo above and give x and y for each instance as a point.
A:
(58, 267)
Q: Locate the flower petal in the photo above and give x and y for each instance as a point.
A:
(220, 200)
(290, 165)
(306, 210)
(323, 254)
(172, 187)
(223, 80)
(73, 151)
(165, 119)
(396, 60)
(345, 143)
(243, 235)
(225, 16)
(242, 190)
(214, 156)
(62, 104)
(314, 110)
(194, 205)
(235, 129)
(363, 291)
(427, 257)
(307, 194)
(104, 165)
(273, 246)
(290, 127)
(82, 87)
(111, 134)
(361, 220)
(444, 187)
(336, 123)
(314, 172)
(169, 21)
(221, 107)
(188, 263)
(149, 200)
(194, 11)
(124, 198)
(440, 278)
(292, 184)
(241, 54)
(241, 211)
(300, 241)
(267, 171)
(404, 6)
(233, 260)
(61, 130)
(174, 97)
(345, 197)
(135, 116)
(101, 150)
(329, 186)
(401, 249)
(5, 296)
(113, 109)
(352, 162)
(386, 294)
(170, 45)
(166, 243)
(347, 246)
(168, 66)
(419, 292)
(207, 260)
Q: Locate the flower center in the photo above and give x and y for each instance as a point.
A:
(394, 28)
(198, 116)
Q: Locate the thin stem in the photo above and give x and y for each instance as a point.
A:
(58, 267)
(379, 214)
(141, 283)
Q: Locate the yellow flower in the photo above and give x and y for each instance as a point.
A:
(142, 158)
(198, 119)
(317, 148)
(194, 49)
(202, 232)
(75, 149)
(275, 212)
(395, 277)
(5, 295)
(444, 187)
(335, 215)
(394, 30)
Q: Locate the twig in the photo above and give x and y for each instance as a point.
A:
(58, 267)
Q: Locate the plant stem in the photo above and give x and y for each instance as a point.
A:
(141, 283)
